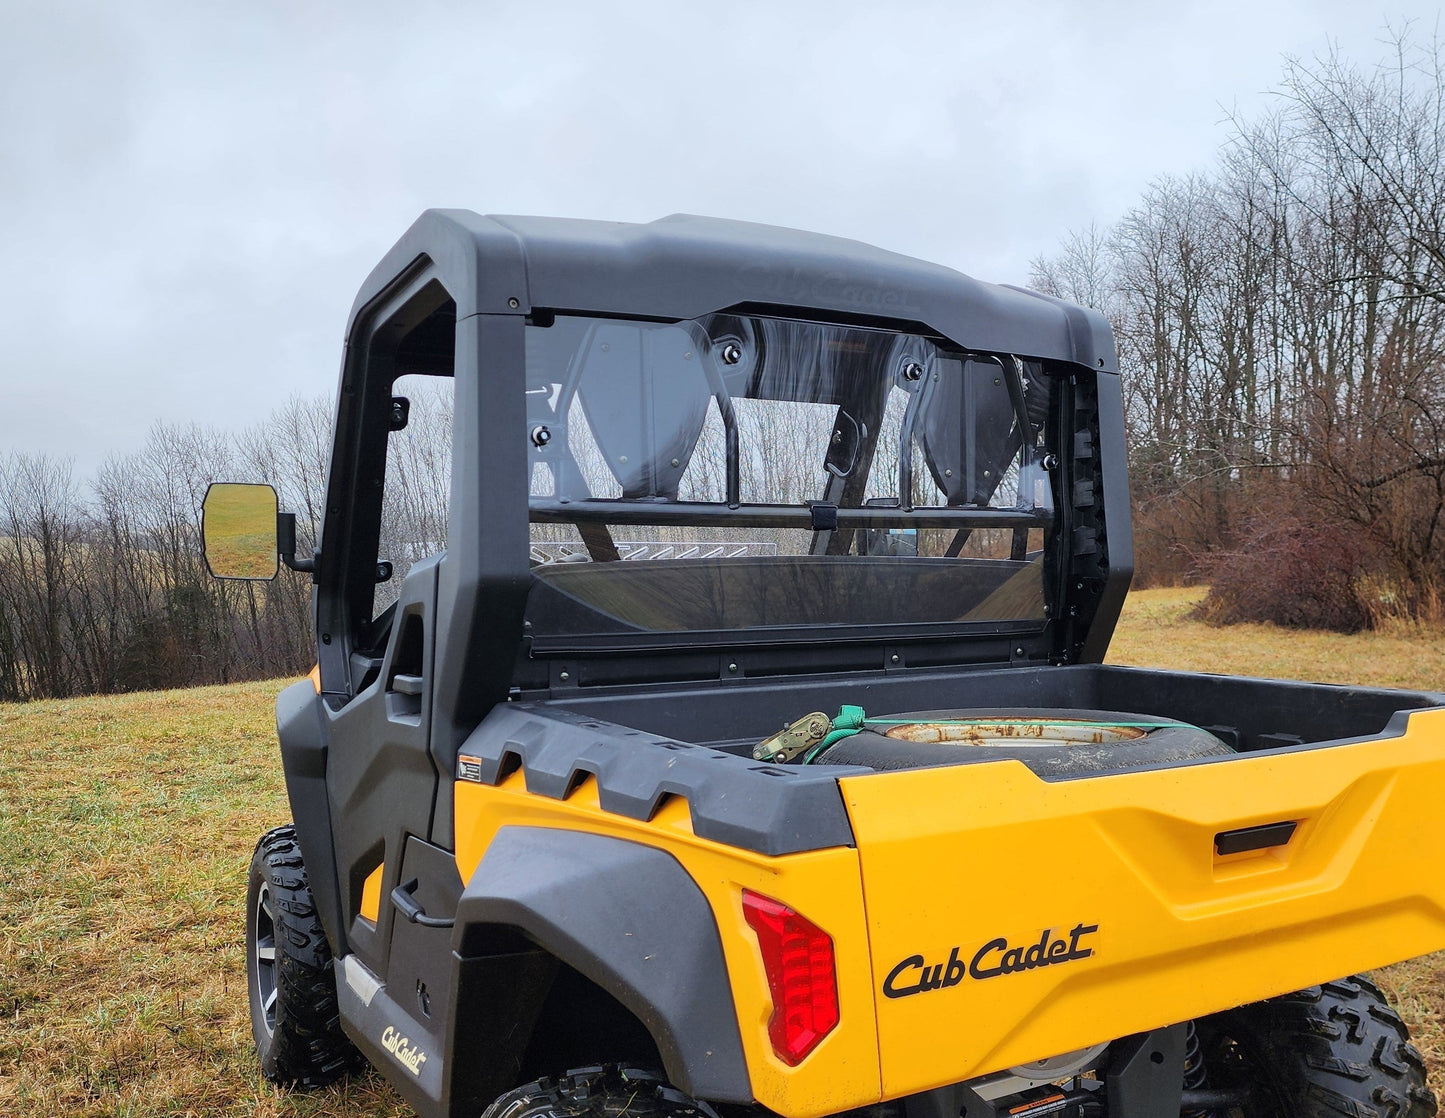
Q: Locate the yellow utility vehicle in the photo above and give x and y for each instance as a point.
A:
(742, 743)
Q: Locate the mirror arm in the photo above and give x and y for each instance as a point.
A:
(286, 543)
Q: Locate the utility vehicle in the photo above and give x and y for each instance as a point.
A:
(743, 743)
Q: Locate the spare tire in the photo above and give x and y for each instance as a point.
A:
(1053, 743)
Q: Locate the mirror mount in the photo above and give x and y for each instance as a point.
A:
(286, 545)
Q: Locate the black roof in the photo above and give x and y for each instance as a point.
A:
(686, 267)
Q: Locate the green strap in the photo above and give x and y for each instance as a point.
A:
(1014, 718)
(848, 722)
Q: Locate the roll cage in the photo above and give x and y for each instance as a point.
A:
(462, 295)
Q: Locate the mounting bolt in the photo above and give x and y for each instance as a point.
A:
(912, 371)
(1050, 462)
(732, 667)
(1019, 651)
(541, 436)
(894, 658)
(564, 676)
(512, 302)
(732, 353)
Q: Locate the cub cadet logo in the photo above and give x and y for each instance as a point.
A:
(915, 976)
(410, 1056)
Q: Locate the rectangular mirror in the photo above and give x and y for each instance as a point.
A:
(238, 531)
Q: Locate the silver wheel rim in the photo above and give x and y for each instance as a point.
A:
(265, 962)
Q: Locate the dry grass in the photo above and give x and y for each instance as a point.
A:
(1154, 632)
(127, 824)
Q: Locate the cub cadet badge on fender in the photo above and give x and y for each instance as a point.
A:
(577, 830)
(994, 958)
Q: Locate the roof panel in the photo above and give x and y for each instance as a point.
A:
(685, 266)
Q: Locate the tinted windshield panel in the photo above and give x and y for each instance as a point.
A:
(748, 472)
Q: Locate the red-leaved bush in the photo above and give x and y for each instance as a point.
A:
(1293, 572)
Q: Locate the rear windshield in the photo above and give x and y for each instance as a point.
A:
(740, 472)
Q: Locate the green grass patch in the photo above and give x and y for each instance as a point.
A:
(128, 823)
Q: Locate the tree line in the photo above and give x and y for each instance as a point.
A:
(1281, 328)
(103, 586)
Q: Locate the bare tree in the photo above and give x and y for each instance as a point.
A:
(1280, 320)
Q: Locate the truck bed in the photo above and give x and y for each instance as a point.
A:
(1248, 714)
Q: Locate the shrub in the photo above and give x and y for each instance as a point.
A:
(1294, 572)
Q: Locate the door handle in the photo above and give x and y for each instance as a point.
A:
(407, 905)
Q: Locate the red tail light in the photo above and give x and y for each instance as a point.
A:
(798, 959)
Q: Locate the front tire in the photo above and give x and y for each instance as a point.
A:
(290, 976)
(1331, 1050)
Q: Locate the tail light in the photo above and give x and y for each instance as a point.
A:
(798, 959)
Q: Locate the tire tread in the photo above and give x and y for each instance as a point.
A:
(1334, 1049)
(599, 1092)
(308, 1048)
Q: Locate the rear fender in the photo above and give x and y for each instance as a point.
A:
(629, 918)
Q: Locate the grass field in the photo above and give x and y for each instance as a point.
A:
(126, 825)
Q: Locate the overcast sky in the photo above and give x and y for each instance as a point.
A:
(191, 194)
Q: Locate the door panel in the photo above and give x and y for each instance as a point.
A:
(380, 779)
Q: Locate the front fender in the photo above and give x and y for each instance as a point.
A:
(302, 733)
(631, 919)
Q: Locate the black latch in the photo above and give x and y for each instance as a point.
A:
(825, 516)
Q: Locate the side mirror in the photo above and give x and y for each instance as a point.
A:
(238, 531)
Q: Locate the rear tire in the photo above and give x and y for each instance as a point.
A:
(290, 976)
(1331, 1050)
(599, 1092)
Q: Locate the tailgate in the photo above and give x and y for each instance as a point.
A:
(1011, 919)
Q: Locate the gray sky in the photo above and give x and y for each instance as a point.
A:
(190, 194)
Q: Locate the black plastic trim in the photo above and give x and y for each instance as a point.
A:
(771, 809)
(629, 918)
(302, 732)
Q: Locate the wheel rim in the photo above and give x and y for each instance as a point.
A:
(265, 962)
